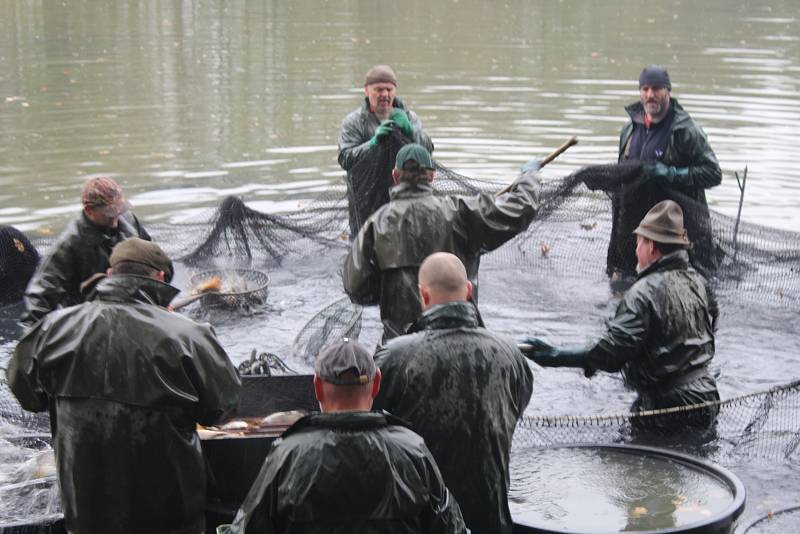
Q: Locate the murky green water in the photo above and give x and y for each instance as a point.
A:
(187, 101)
(596, 490)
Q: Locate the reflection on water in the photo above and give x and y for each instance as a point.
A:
(188, 101)
(592, 490)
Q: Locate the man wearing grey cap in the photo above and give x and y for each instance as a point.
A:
(126, 382)
(662, 335)
(82, 249)
(384, 259)
(380, 114)
(679, 164)
(348, 469)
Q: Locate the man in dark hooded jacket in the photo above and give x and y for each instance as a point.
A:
(462, 388)
(18, 261)
(662, 335)
(126, 382)
(348, 469)
(383, 261)
(381, 114)
(82, 250)
(679, 164)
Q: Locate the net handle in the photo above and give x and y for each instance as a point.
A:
(572, 141)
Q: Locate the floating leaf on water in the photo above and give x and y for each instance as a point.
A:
(637, 512)
(545, 249)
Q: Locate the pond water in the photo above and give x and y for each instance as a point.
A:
(597, 490)
(186, 102)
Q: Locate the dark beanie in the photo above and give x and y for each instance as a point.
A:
(380, 73)
(655, 75)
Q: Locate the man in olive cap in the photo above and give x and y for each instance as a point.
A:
(82, 250)
(662, 335)
(679, 164)
(380, 114)
(348, 469)
(126, 382)
(382, 265)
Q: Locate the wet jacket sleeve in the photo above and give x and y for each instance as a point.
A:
(48, 287)
(258, 512)
(360, 274)
(215, 378)
(23, 372)
(353, 141)
(693, 151)
(489, 222)
(137, 224)
(625, 335)
(420, 137)
(443, 515)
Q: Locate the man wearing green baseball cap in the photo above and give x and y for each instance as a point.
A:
(382, 265)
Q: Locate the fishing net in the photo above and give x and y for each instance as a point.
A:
(764, 425)
(335, 321)
(571, 233)
(745, 263)
(777, 522)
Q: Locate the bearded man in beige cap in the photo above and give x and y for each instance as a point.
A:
(380, 114)
(82, 250)
(662, 335)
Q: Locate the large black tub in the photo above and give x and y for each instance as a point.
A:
(234, 462)
(588, 489)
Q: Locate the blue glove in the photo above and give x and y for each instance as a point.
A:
(385, 128)
(532, 166)
(677, 177)
(400, 118)
(547, 355)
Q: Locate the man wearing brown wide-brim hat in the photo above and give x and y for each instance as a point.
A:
(662, 335)
(83, 249)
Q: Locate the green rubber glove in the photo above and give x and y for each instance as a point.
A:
(677, 177)
(385, 128)
(400, 118)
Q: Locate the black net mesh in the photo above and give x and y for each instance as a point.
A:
(746, 262)
(571, 232)
(760, 425)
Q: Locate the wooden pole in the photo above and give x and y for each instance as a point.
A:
(572, 141)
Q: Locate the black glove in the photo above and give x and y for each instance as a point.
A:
(547, 355)
(659, 173)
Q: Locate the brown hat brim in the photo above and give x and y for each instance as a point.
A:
(666, 237)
